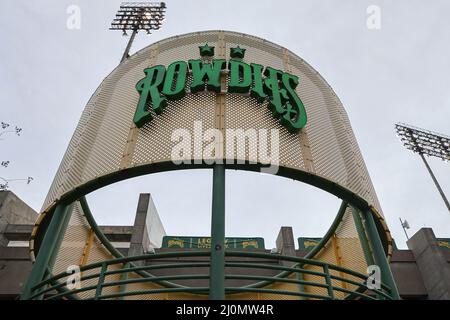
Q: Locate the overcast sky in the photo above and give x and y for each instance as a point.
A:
(399, 73)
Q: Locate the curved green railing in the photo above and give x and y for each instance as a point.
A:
(55, 286)
(373, 236)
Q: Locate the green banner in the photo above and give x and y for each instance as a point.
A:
(205, 243)
(443, 243)
(308, 243)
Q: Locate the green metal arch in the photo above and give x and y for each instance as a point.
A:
(320, 182)
(331, 187)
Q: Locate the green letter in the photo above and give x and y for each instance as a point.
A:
(240, 77)
(205, 73)
(295, 117)
(148, 89)
(257, 91)
(176, 72)
(277, 96)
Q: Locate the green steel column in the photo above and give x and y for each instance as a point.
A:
(362, 236)
(217, 269)
(61, 234)
(124, 276)
(379, 254)
(49, 245)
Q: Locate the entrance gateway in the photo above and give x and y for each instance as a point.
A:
(125, 131)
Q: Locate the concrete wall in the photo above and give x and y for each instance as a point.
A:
(432, 263)
(148, 230)
(15, 266)
(13, 211)
(407, 275)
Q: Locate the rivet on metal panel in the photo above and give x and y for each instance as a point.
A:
(286, 61)
(130, 145)
(303, 135)
(306, 151)
(221, 98)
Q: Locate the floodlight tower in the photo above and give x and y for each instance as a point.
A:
(136, 16)
(428, 143)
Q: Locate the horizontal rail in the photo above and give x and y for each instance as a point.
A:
(280, 292)
(153, 291)
(143, 280)
(284, 275)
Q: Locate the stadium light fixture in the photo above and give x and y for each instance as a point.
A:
(138, 16)
(428, 143)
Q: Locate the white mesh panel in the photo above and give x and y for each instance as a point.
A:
(106, 140)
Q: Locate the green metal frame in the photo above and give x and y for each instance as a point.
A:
(217, 278)
(378, 253)
(217, 270)
(55, 283)
(49, 248)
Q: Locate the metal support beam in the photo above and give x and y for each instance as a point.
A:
(217, 269)
(47, 251)
(447, 204)
(127, 49)
(362, 237)
(379, 254)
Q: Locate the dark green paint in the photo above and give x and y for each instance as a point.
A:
(205, 243)
(362, 236)
(295, 116)
(240, 77)
(50, 245)
(217, 269)
(206, 51)
(379, 253)
(277, 96)
(443, 243)
(257, 91)
(283, 99)
(311, 179)
(237, 52)
(278, 86)
(175, 81)
(308, 243)
(149, 89)
(323, 278)
(206, 73)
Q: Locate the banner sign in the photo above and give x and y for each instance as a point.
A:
(443, 243)
(205, 243)
(308, 243)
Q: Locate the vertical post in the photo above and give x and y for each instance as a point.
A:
(379, 255)
(435, 182)
(362, 236)
(124, 276)
(328, 281)
(301, 286)
(101, 280)
(47, 251)
(130, 42)
(217, 268)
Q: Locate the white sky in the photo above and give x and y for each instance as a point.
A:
(399, 73)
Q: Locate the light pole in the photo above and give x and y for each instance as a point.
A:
(136, 16)
(428, 143)
(405, 225)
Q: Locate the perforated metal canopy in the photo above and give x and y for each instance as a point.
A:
(107, 146)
